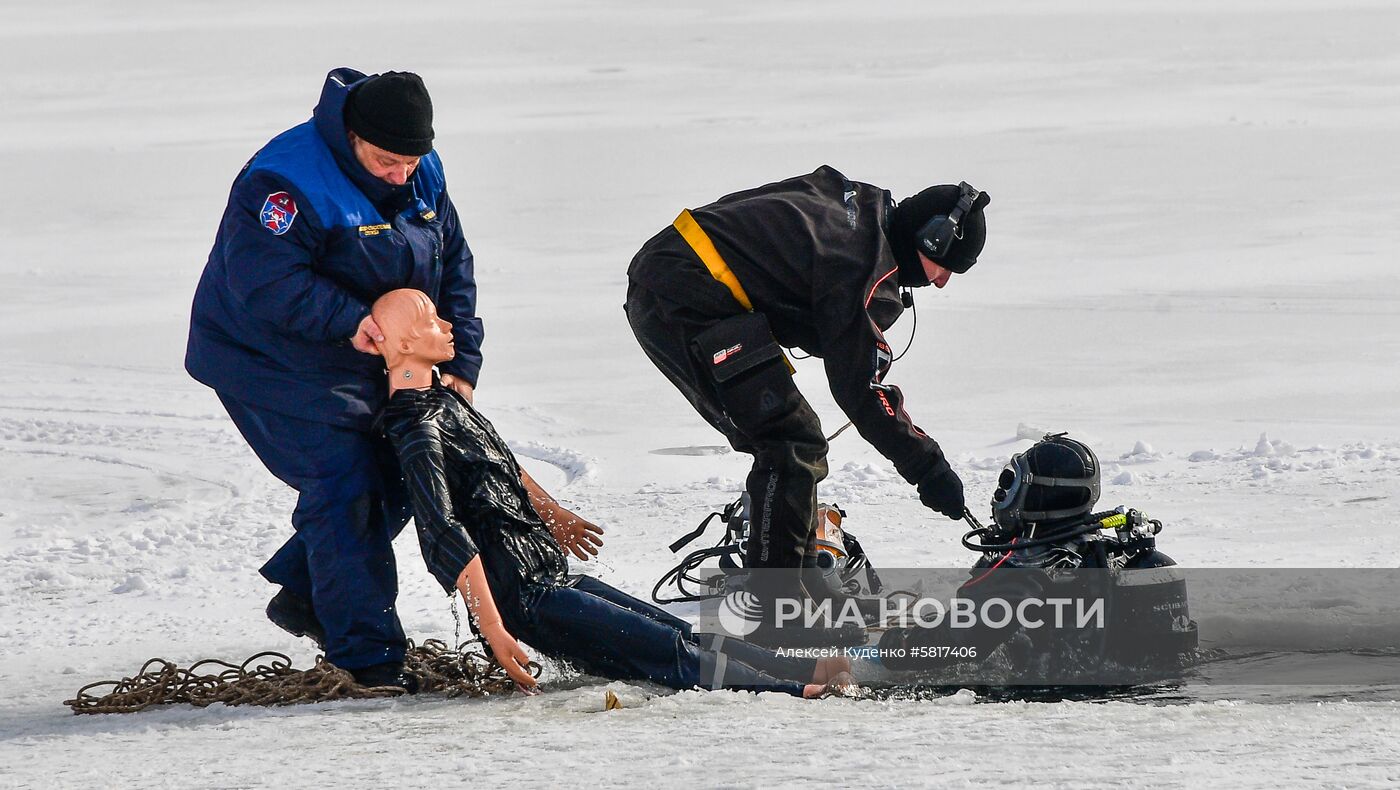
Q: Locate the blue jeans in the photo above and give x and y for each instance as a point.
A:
(352, 504)
(606, 632)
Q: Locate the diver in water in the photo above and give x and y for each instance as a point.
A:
(1044, 534)
(485, 530)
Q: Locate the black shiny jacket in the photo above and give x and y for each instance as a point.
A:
(466, 491)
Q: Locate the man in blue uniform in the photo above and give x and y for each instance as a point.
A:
(327, 217)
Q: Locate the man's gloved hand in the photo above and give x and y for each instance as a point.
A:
(941, 490)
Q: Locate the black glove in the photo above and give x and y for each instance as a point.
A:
(942, 491)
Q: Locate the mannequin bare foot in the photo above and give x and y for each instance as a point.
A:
(828, 668)
(840, 683)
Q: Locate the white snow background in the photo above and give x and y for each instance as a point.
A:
(1191, 266)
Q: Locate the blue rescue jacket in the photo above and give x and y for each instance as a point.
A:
(308, 241)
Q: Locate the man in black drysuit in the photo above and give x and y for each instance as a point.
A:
(814, 262)
(469, 499)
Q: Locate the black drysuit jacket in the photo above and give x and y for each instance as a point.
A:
(812, 255)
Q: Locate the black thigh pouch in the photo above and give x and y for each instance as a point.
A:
(748, 366)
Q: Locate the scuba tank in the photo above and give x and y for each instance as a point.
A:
(839, 558)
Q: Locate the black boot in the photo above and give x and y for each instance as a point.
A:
(295, 615)
(390, 673)
(824, 584)
(769, 586)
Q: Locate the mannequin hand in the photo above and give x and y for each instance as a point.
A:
(510, 655)
(942, 492)
(574, 534)
(476, 591)
(366, 336)
(459, 385)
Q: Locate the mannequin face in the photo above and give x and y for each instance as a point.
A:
(413, 331)
(435, 338)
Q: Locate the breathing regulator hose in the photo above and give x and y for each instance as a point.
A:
(1108, 519)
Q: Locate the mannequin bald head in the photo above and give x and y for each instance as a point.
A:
(415, 338)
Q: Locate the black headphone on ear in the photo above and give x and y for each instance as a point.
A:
(937, 235)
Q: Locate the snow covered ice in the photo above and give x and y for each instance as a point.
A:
(1191, 267)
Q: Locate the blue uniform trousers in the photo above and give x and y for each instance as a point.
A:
(352, 504)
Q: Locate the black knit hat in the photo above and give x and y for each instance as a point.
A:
(913, 213)
(393, 111)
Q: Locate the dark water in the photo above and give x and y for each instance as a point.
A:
(1292, 677)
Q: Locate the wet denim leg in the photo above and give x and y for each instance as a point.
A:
(615, 596)
(790, 668)
(758, 657)
(603, 638)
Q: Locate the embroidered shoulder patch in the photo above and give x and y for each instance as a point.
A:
(278, 211)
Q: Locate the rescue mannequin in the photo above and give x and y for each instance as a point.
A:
(494, 535)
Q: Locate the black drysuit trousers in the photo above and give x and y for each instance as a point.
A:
(759, 408)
